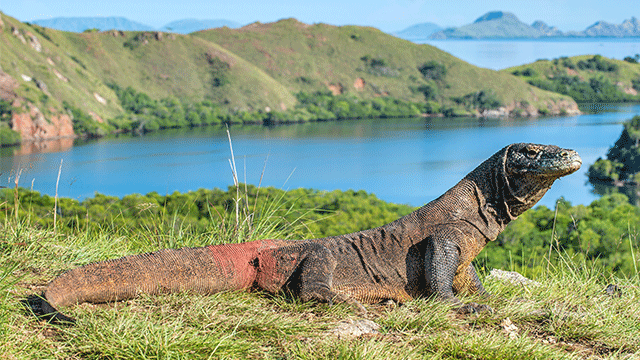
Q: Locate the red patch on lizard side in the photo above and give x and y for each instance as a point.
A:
(236, 262)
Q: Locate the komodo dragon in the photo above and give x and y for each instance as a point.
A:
(425, 253)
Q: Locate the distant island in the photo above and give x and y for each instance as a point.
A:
(506, 25)
(81, 24)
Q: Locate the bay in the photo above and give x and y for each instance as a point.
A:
(499, 54)
(409, 161)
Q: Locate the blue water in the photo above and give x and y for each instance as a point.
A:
(501, 54)
(401, 160)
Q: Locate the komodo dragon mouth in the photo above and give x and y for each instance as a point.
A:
(426, 253)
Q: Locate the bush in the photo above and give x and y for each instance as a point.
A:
(9, 137)
(433, 70)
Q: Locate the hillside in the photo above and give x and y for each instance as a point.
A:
(586, 78)
(48, 77)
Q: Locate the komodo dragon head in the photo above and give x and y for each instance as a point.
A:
(528, 171)
(524, 173)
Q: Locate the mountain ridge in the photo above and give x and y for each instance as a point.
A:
(502, 25)
(81, 24)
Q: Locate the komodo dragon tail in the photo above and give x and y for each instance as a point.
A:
(203, 270)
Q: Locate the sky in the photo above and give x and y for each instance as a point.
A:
(386, 15)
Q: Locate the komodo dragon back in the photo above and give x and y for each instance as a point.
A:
(426, 253)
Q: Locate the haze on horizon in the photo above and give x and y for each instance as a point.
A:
(386, 15)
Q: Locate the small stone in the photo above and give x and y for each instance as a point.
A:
(355, 328)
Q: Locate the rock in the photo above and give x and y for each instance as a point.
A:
(1, 23)
(33, 41)
(26, 78)
(352, 328)
(336, 89)
(359, 84)
(100, 99)
(60, 76)
(509, 328)
(32, 125)
(16, 33)
(511, 277)
(42, 86)
(613, 290)
(7, 86)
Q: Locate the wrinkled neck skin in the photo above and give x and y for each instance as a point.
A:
(486, 199)
(502, 196)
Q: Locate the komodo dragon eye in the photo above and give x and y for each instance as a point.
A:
(531, 152)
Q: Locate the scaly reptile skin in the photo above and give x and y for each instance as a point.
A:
(425, 253)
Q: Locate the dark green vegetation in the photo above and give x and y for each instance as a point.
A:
(620, 171)
(256, 74)
(623, 159)
(585, 78)
(568, 316)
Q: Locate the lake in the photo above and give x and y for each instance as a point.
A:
(400, 160)
(499, 54)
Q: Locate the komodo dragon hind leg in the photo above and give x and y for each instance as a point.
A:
(308, 269)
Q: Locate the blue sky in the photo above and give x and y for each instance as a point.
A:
(387, 15)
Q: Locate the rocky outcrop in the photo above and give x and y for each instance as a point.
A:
(7, 86)
(33, 126)
(546, 30)
(524, 109)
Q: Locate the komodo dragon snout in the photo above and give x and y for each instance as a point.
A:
(426, 253)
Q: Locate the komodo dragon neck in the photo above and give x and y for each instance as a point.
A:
(481, 199)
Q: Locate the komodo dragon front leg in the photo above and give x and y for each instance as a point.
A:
(448, 269)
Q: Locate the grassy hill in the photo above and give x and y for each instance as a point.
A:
(314, 57)
(257, 68)
(586, 78)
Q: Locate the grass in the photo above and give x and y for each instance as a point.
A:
(569, 316)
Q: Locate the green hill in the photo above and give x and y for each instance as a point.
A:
(586, 78)
(366, 62)
(53, 80)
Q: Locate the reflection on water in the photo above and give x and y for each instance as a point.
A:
(38, 147)
(400, 160)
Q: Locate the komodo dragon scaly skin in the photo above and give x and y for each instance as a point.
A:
(425, 253)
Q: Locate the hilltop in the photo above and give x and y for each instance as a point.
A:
(48, 77)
